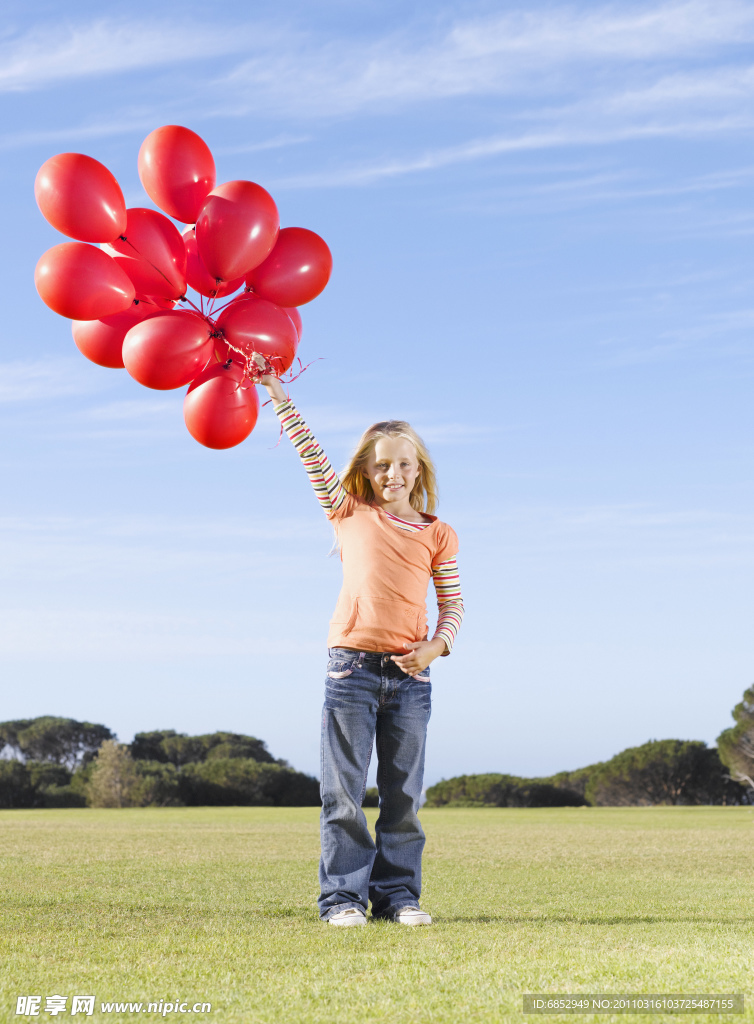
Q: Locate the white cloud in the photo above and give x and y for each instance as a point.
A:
(277, 142)
(515, 199)
(708, 87)
(519, 52)
(159, 531)
(65, 136)
(130, 410)
(60, 633)
(90, 586)
(302, 72)
(36, 380)
(661, 30)
(497, 145)
(107, 47)
(633, 534)
(615, 75)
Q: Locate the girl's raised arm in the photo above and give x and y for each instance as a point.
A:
(326, 483)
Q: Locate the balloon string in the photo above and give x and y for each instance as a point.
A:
(280, 438)
(149, 301)
(218, 309)
(141, 256)
(182, 298)
(185, 298)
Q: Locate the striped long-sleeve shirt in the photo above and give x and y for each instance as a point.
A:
(331, 494)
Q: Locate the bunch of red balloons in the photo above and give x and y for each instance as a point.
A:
(121, 295)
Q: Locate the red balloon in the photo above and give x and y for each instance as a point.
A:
(152, 253)
(220, 409)
(296, 271)
(168, 350)
(251, 324)
(101, 341)
(80, 197)
(236, 229)
(177, 171)
(82, 282)
(295, 316)
(198, 276)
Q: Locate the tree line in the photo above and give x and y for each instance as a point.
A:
(59, 762)
(658, 772)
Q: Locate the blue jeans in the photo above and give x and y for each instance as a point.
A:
(368, 696)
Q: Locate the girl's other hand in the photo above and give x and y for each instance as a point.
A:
(420, 654)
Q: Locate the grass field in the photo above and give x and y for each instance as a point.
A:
(218, 905)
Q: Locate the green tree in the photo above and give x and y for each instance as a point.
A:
(158, 784)
(659, 772)
(576, 781)
(113, 781)
(496, 790)
(52, 785)
(16, 788)
(44, 774)
(244, 782)
(167, 746)
(230, 744)
(37, 784)
(736, 745)
(662, 772)
(171, 747)
(60, 740)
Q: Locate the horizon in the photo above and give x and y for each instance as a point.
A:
(6, 756)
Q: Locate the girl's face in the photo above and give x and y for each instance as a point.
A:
(392, 469)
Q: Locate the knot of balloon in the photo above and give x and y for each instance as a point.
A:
(120, 279)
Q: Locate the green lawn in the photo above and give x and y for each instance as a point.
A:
(218, 905)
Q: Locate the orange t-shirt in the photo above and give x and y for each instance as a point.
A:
(386, 572)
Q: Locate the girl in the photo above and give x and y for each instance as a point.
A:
(377, 683)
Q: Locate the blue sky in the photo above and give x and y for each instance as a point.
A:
(542, 225)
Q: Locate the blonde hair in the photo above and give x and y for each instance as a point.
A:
(423, 497)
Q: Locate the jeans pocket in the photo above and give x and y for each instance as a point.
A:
(417, 694)
(341, 664)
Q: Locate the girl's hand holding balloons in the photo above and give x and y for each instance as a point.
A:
(269, 380)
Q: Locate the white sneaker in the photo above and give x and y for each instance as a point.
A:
(348, 918)
(412, 915)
